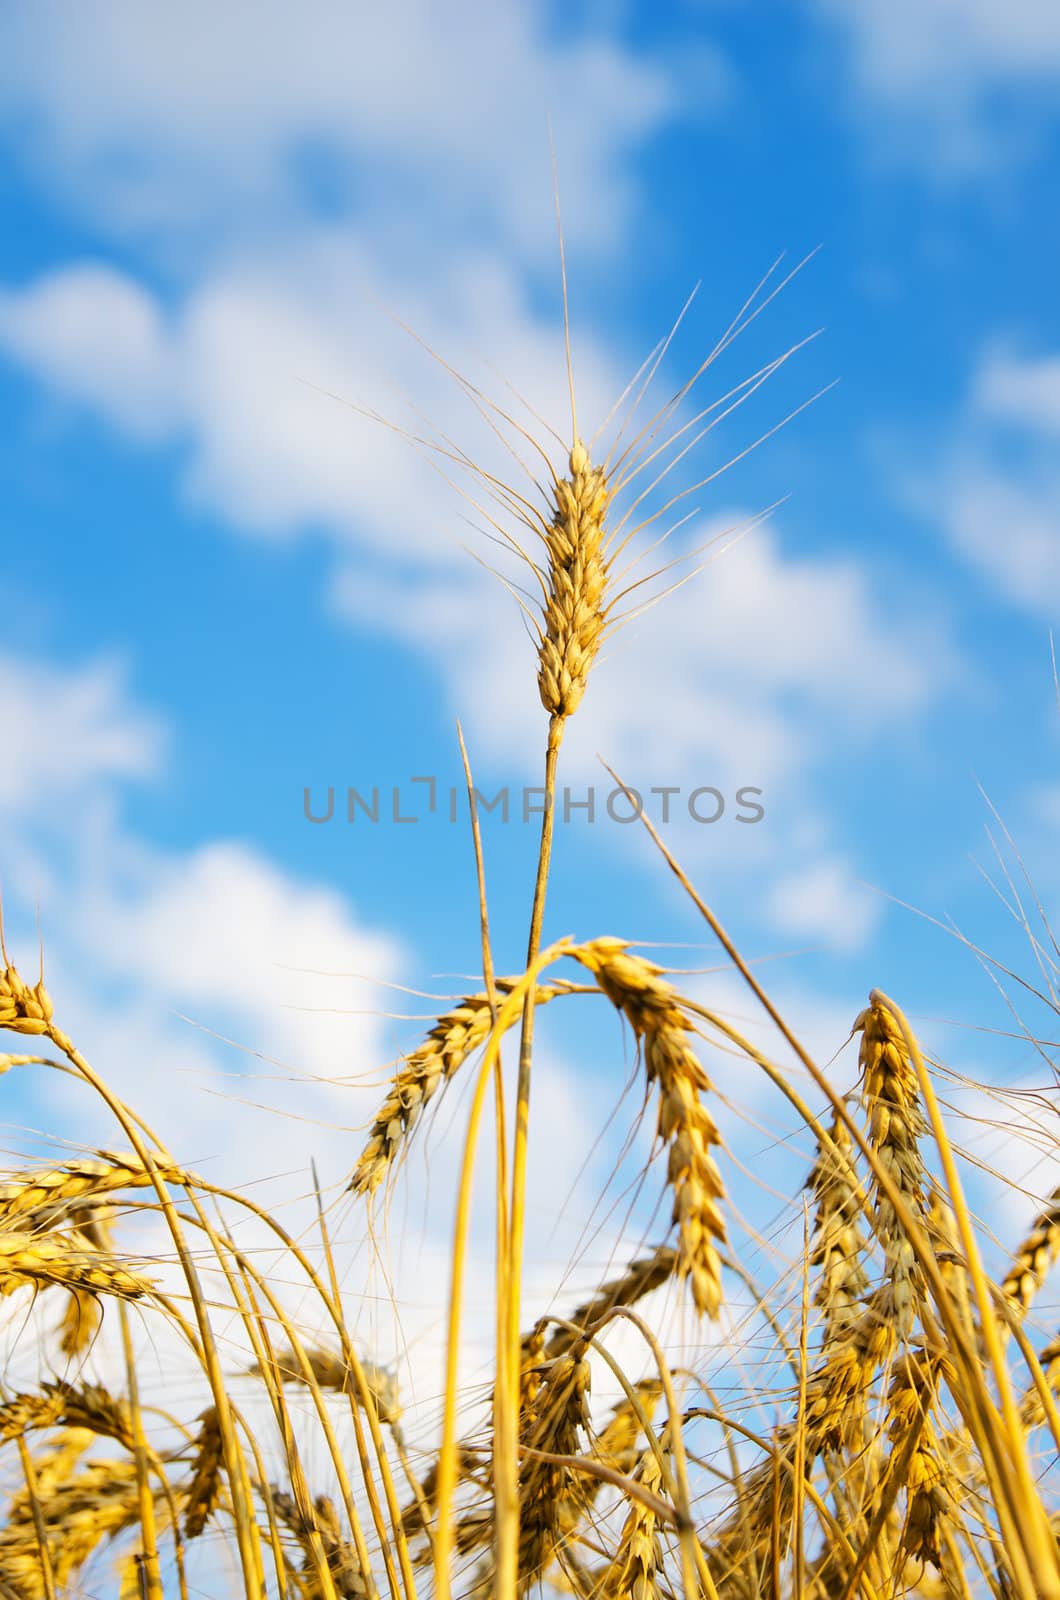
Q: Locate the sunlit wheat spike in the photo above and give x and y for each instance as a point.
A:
(454, 1037)
(323, 1532)
(25, 1411)
(652, 1008)
(858, 1502)
(616, 1446)
(23, 1009)
(636, 1568)
(640, 1278)
(41, 1197)
(556, 1423)
(29, 1260)
(79, 1513)
(476, 1526)
(576, 585)
(890, 1094)
(834, 1420)
(89, 1406)
(1032, 1410)
(837, 1389)
(838, 1242)
(911, 1399)
(1037, 1253)
(204, 1490)
(330, 1371)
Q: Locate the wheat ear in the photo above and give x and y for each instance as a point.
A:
(83, 1406)
(331, 1372)
(23, 1009)
(636, 1568)
(26, 1259)
(577, 575)
(45, 1197)
(554, 1425)
(838, 1242)
(916, 1458)
(891, 1095)
(640, 1278)
(204, 1490)
(1037, 1253)
(453, 1038)
(652, 1008)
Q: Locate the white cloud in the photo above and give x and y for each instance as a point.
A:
(231, 117)
(1007, 526)
(996, 492)
(97, 337)
(234, 372)
(927, 75)
(741, 674)
(68, 730)
(222, 932)
(1020, 390)
(825, 902)
(740, 678)
(745, 677)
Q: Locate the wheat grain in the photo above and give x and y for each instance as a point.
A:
(23, 1009)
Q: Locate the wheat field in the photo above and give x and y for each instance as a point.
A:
(872, 1417)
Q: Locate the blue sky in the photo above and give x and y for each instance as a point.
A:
(222, 585)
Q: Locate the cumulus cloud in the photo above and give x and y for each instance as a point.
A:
(239, 117)
(68, 730)
(250, 372)
(1018, 389)
(133, 935)
(222, 932)
(1008, 526)
(824, 902)
(739, 678)
(996, 491)
(742, 675)
(950, 85)
(94, 335)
